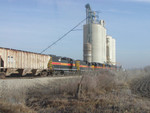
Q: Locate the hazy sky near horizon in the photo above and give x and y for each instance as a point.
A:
(32, 25)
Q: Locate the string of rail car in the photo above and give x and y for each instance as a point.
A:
(28, 63)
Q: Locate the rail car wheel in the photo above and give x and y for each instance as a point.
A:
(62, 72)
(2, 75)
(50, 73)
(43, 73)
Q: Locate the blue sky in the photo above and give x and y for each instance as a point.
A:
(32, 25)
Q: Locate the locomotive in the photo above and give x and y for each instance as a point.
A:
(20, 62)
(65, 65)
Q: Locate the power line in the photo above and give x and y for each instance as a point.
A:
(63, 35)
(77, 29)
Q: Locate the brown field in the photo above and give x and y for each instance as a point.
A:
(95, 92)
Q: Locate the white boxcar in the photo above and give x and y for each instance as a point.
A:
(24, 62)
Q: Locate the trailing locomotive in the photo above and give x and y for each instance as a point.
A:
(22, 63)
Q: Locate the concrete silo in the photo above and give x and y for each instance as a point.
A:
(87, 48)
(113, 51)
(94, 49)
(98, 43)
(109, 49)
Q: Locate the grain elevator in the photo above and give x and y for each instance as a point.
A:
(97, 46)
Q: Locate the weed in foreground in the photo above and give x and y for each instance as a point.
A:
(98, 92)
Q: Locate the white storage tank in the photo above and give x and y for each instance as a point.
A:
(98, 37)
(109, 49)
(113, 51)
(94, 43)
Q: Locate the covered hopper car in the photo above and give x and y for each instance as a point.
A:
(22, 63)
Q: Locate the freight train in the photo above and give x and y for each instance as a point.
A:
(22, 63)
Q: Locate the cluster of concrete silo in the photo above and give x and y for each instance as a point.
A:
(110, 50)
(98, 47)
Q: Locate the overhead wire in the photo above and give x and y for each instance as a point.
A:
(63, 36)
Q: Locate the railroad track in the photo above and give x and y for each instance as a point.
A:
(33, 77)
(141, 87)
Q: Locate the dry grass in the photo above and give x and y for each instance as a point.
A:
(100, 91)
(13, 92)
(14, 108)
(104, 91)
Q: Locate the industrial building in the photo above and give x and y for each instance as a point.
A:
(97, 45)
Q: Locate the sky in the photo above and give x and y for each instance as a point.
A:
(32, 25)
